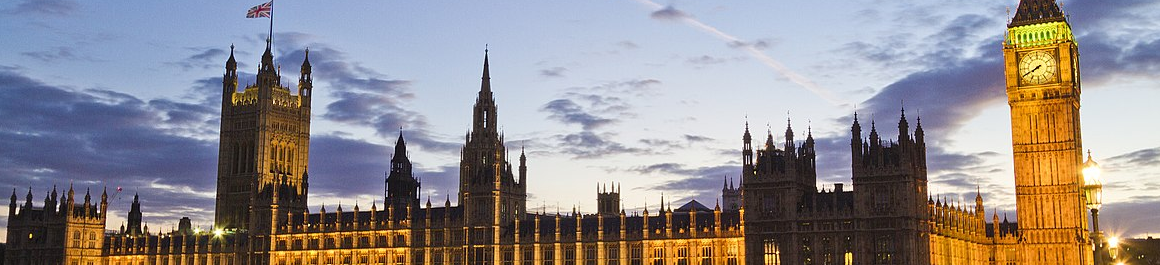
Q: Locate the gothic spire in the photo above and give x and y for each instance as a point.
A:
(231, 64)
(486, 85)
(306, 62)
(903, 127)
(484, 117)
(1036, 11)
(267, 60)
(400, 149)
(746, 137)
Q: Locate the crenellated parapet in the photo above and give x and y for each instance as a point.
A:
(950, 219)
(875, 156)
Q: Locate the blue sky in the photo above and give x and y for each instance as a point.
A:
(651, 95)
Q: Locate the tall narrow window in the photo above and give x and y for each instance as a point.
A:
(612, 255)
(706, 255)
(884, 250)
(548, 255)
(772, 253)
(658, 256)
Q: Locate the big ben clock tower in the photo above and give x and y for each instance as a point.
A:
(1043, 88)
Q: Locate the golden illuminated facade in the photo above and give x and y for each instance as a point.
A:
(61, 231)
(489, 225)
(776, 214)
(264, 148)
(1043, 89)
(888, 218)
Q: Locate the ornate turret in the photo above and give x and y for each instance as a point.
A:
(135, 216)
(28, 199)
(903, 128)
(104, 201)
(305, 80)
(789, 145)
(746, 153)
(523, 169)
(402, 187)
(267, 72)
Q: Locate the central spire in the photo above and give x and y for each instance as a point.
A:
(484, 116)
(485, 87)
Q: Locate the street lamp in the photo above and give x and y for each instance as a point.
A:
(1093, 191)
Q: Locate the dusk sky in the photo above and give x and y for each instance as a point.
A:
(653, 96)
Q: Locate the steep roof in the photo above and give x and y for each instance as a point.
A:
(1036, 11)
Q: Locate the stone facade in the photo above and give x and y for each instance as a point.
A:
(1043, 89)
(775, 215)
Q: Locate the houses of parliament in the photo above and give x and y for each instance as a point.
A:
(774, 215)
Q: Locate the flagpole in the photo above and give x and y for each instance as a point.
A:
(270, 37)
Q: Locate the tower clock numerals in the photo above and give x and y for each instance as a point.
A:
(1037, 67)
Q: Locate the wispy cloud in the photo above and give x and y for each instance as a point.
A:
(45, 7)
(627, 45)
(57, 54)
(553, 72)
(670, 13)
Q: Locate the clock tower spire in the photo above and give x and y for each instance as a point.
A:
(1043, 89)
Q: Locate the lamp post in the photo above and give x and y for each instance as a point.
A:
(1093, 191)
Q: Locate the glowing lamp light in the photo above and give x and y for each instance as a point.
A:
(218, 232)
(1113, 242)
(1092, 185)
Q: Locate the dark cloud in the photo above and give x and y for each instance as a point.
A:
(833, 158)
(346, 167)
(697, 138)
(568, 112)
(205, 59)
(891, 51)
(100, 138)
(59, 8)
(666, 146)
(553, 72)
(669, 13)
(338, 162)
(969, 84)
(593, 108)
(56, 54)
(1131, 218)
(588, 145)
(363, 97)
(1138, 159)
(702, 183)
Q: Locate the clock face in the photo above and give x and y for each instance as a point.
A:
(1037, 67)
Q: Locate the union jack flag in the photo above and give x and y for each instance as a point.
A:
(262, 10)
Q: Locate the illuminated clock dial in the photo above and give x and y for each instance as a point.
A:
(1037, 67)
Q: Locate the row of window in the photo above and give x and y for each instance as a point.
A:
(339, 242)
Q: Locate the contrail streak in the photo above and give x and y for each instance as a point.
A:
(760, 56)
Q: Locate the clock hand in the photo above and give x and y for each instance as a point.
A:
(1033, 70)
